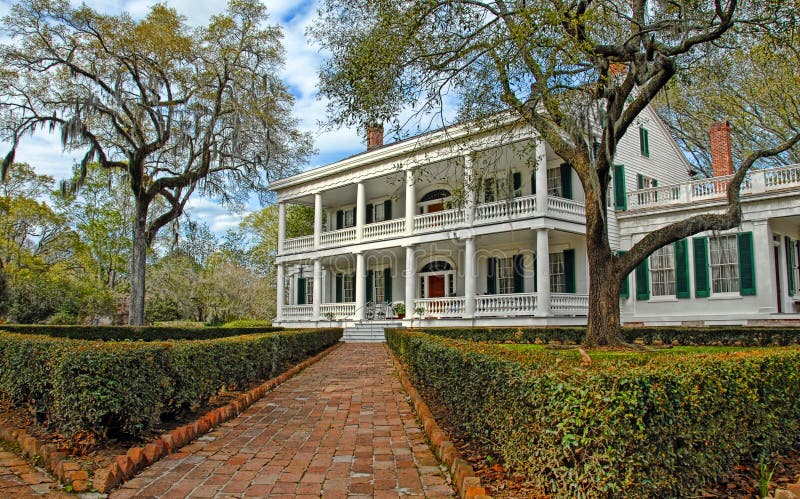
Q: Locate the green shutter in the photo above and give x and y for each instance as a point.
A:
(682, 269)
(339, 220)
(624, 288)
(747, 267)
(643, 280)
(369, 285)
(644, 141)
(517, 181)
(566, 180)
(370, 213)
(701, 281)
(491, 270)
(519, 274)
(533, 181)
(339, 287)
(535, 276)
(639, 181)
(620, 196)
(355, 217)
(569, 270)
(301, 291)
(387, 209)
(387, 285)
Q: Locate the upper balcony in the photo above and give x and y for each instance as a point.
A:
(757, 182)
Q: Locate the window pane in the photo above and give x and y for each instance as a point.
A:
(378, 285)
(380, 216)
(347, 285)
(554, 182)
(724, 264)
(558, 282)
(662, 271)
(505, 275)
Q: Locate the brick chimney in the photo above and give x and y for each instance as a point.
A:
(374, 136)
(721, 159)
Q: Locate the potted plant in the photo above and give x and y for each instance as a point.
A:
(399, 310)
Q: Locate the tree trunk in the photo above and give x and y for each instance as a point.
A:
(603, 328)
(138, 265)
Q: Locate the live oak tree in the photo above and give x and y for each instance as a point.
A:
(578, 71)
(178, 109)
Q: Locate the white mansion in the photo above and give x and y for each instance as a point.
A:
(486, 227)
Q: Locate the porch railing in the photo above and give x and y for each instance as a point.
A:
(505, 208)
(337, 311)
(336, 237)
(440, 307)
(298, 244)
(298, 311)
(384, 229)
(566, 208)
(505, 304)
(438, 220)
(569, 304)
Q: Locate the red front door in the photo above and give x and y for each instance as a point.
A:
(436, 286)
(433, 208)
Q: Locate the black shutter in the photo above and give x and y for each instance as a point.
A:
(517, 176)
(491, 271)
(301, 291)
(369, 285)
(519, 274)
(533, 182)
(488, 190)
(339, 287)
(339, 220)
(535, 275)
(566, 181)
(387, 285)
(370, 213)
(387, 209)
(355, 217)
(790, 264)
(569, 270)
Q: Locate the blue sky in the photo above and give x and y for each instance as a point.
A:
(300, 73)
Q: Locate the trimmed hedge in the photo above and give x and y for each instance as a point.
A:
(662, 428)
(109, 387)
(712, 335)
(137, 333)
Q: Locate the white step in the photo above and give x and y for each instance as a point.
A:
(367, 331)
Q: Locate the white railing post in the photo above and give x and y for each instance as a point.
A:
(758, 181)
(317, 218)
(410, 278)
(317, 290)
(280, 291)
(361, 286)
(411, 201)
(469, 189)
(543, 273)
(281, 226)
(541, 177)
(361, 210)
(469, 277)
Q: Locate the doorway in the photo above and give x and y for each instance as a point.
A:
(436, 286)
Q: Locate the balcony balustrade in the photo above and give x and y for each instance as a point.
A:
(512, 304)
(337, 311)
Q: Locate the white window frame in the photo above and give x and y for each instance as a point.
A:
(726, 271)
(348, 288)
(449, 283)
(662, 272)
(378, 288)
(558, 273)
(554, 187)
(349, 219)
(309, 290)
(378, 213)
(505, 275)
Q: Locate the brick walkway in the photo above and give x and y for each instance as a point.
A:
(341, 428)
(19, 479)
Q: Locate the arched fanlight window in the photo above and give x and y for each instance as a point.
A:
(437, 194)
(437, 266)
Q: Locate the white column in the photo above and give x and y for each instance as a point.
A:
(411, 279)
(317, 218)
(317, 290)
(281, 226)
(469, 189)
(411, 203)
(361, 210)
(541, 178)
(470, 277)
(765, 273)
(543, 273)
(361, 286)
(280, 291)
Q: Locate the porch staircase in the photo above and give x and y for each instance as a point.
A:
(368, 331)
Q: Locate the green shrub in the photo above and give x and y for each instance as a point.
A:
(659, 428)
(110, 387)
(242, 323)
(144, 333)
(714, 335)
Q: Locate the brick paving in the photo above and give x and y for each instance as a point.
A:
(19, 479)
(341, 428)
